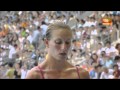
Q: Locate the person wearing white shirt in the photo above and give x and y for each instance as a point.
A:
(106, 73)
(24, 71)
(36, 23)
(36, 37)
(100, 49)
(79, 25)
(44, 28)
(30, 38)
(93, 23)
(78, 33)
(110, 50)
(63, 19)
(94, 31)
(3, 52)
(12, 51)
(51, 19)
(87, 24)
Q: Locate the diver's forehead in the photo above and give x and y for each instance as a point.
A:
(62, 33)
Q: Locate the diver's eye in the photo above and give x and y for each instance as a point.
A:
(58, 41)
(68, 42)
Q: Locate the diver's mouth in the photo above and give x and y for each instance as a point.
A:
(63, 54)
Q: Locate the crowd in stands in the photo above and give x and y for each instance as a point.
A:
(22, 47)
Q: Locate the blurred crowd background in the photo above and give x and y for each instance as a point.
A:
(95, 46)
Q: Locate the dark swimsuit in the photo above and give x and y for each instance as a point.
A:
(42, 74)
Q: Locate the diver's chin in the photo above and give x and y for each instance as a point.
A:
(62, 58)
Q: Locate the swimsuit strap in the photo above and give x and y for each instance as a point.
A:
(78, 72)
(40, 69)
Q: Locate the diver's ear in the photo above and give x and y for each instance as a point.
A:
(46, 41)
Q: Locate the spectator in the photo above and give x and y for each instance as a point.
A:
(110, 50)
(106, 73)
(36, 37)
(30, 38)
(116, 72)
(12, 50)
(24, 71)
(109, 62)
(17, 71)
(100, 49)
(23, 32)
(102, 59)
(43, 28)
(94, 58)
(118, 48)
(94, 72)
(117, 61)
(10, 71)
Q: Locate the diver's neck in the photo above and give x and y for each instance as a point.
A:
(54, 64)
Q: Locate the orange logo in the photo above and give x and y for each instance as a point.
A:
(107, 21)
